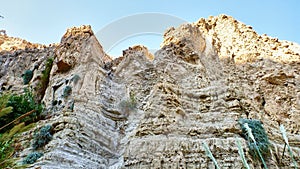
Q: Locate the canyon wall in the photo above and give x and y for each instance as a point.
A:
(156, 111)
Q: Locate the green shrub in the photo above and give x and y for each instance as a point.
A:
(24, 103)
(32, 157)
(5, 111)
(5, 149)
(46, 73)
(11, 133)
(27, 76)
(256, 136)
(42, 137)
(20, 104)
(259, 134)
(9, 145)
(67, 91)
(3, 101)
(47, 70)
(42, 86)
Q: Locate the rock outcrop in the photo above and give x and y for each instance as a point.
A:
(11, 44)
(17, 56)
(145, 111)
(239, 42)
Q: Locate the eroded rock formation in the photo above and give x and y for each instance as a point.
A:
(140, 111)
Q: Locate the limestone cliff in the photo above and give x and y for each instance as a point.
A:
(145, 111)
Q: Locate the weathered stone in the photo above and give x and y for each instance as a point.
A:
(141, 111)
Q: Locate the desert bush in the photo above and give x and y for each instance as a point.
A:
(42, 137)
(47, 70)
(12, 132)
(18, 105)
(260, 136)
(32, 157)
(27, 76)
(3, 101)
(10, 144)
(256, 136)
(22, 104)
(5, 149)
(42, 86)
(5, 111)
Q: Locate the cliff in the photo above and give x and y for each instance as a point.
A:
(145, 111)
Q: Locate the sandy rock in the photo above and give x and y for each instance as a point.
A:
(145, 111)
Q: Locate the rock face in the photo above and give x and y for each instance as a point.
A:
(17, 56)
(235, 40)
(140, 111)
(10, 43)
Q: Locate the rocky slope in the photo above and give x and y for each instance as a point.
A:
(140, 111)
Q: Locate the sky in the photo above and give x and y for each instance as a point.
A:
(46, 21)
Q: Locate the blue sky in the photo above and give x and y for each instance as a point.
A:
(46, 21)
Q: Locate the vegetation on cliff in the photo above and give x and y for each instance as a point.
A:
(18, 112)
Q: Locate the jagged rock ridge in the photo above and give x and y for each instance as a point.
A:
(143, 112)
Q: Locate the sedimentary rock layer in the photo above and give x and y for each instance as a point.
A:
(145, 111)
